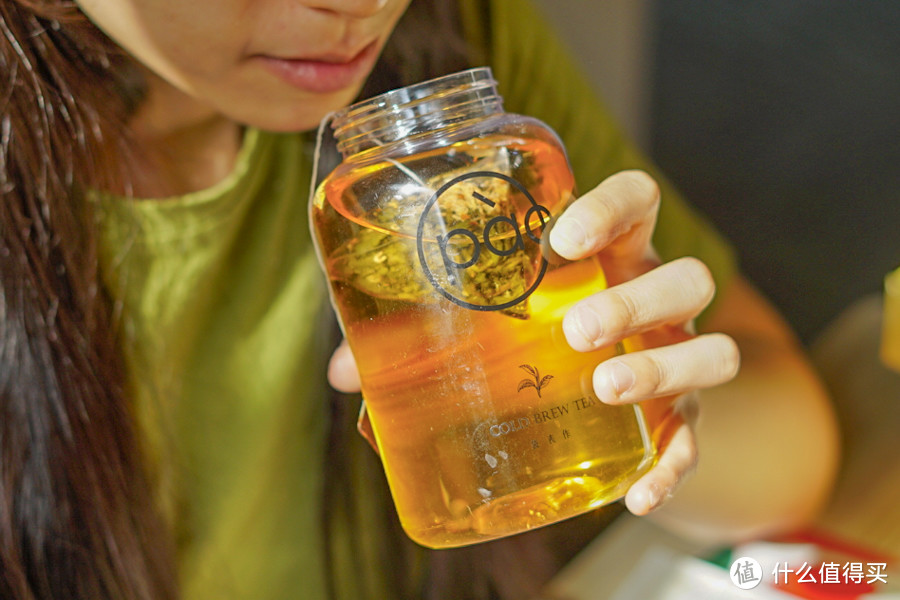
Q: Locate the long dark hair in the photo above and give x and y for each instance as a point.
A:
(76, 516)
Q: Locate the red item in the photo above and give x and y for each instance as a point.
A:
(841, 550)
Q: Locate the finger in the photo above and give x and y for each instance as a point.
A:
(700, 362)
(675, 292)
(342, 372)
(677, 461)
(622, 207)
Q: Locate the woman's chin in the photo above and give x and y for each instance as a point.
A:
(288, 117)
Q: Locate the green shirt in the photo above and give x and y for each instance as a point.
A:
(226, 329)
(222, 306)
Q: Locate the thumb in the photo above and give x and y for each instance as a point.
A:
(342, 372)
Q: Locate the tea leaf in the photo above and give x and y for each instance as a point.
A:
(383, 261)
(530, 370)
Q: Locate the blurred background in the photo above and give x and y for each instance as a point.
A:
(780, 120)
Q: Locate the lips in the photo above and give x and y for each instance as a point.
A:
(323, 74)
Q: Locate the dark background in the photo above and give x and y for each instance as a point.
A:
(780, 119)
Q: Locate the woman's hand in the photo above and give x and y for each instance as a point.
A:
(342, 372)
(615, 220)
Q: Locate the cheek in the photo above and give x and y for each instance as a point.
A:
(177, 40)
(188, 56)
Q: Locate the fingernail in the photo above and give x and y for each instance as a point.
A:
(568, 237)
(612, 380)
(586, 324)
(622, 377)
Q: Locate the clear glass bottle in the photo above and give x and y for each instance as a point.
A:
(430, 233)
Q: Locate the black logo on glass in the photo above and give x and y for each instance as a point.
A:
(536, 381)
(496, 227)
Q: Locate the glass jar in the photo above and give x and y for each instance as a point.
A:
(430, 231)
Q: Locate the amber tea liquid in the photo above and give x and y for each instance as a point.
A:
(484, 417)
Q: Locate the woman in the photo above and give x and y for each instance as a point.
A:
(162, 426)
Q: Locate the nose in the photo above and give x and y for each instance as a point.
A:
(352, 8)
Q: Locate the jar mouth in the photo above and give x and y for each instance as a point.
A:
(420, 107)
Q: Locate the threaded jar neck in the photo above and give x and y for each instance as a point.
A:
(423, 107)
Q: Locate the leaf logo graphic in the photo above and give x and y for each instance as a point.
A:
(537, 382)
